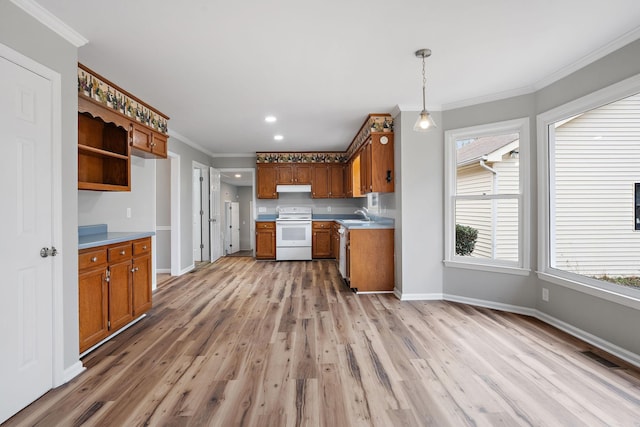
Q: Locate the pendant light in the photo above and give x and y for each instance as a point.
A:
(425, 121)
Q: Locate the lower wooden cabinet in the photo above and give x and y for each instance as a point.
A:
(321, 239)
(370, 259)
(265, 240)
(114, 288)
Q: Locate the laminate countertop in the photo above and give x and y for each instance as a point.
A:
(91, 236)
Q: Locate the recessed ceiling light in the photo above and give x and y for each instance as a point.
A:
(238, 175)
(278, 137)
(270, 119)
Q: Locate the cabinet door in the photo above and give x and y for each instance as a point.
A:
(321, 240)
(265, 240)
(284, 174)
(92, 307)
(141, 137)
(320, 185)
(302, 174)
(382, 167)
(347, 179)
(365, 168)
(120, 297)
(159, 145)
(336, 181)
(266, 181)
(141, 283)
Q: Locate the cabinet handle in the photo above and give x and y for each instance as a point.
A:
(94, 259)
(144, 248)
(134, 269)
(122, 252)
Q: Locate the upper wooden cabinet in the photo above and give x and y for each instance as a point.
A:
(377, 174)
(328, 181)
(266, 181)
(293, 173)
(112, 125)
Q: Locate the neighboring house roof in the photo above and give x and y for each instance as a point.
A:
(490, 148)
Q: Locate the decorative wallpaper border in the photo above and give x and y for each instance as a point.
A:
(114, 98)
(375, 123)
(282, 157)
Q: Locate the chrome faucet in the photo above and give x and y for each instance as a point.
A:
(365, 213)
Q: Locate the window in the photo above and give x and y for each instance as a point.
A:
(590, 153)
(486, 210)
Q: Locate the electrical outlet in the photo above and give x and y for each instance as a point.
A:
(128, 212)
(262, 209)
(545, 294)
(328, 208)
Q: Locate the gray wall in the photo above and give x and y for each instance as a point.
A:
(163, 215)
(603, 319)
(418, 213)
(24, 34)
(187, 155)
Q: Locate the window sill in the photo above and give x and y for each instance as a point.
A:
(486, 267)
(599, 292)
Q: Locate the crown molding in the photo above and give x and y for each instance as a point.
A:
(51, 21)
(597, 54)
(190, 143)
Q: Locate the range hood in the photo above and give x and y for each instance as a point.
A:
(293, 188)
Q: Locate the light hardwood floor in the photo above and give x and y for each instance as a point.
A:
(241, 342)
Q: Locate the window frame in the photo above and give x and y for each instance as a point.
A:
(594, 287)
(522, 267)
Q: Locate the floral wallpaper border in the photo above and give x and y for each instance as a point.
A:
(281, 157)
(113, 98)
(375, 123)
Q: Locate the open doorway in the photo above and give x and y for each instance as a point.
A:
(237, 198)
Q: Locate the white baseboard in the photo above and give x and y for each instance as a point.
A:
(417, 297)
(492, 304)
(605, 345)
(72, 371)
(163, 271)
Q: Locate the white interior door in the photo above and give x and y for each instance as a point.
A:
(196, 217)
(26, 289)
(214, 214)
(234, 245)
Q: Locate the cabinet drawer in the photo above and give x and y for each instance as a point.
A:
(262, 225)
(119, 253)
(322, 225)
(92, 258)
(141, 247)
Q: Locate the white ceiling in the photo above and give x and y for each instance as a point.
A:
(217, 68)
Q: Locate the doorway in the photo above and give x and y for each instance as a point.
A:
(237, 190)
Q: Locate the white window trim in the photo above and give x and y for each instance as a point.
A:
(607, 291)
(520, 126)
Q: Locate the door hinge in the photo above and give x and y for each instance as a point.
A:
(201, 246)
(201, 179)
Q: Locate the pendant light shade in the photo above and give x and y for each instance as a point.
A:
(425, 121)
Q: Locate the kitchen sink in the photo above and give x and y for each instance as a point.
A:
(356, 221)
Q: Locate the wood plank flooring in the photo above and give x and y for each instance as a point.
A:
(247, 343)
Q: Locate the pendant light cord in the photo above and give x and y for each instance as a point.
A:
(424, 84)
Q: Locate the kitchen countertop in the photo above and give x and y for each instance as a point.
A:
(379, 223)
(91, 236)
